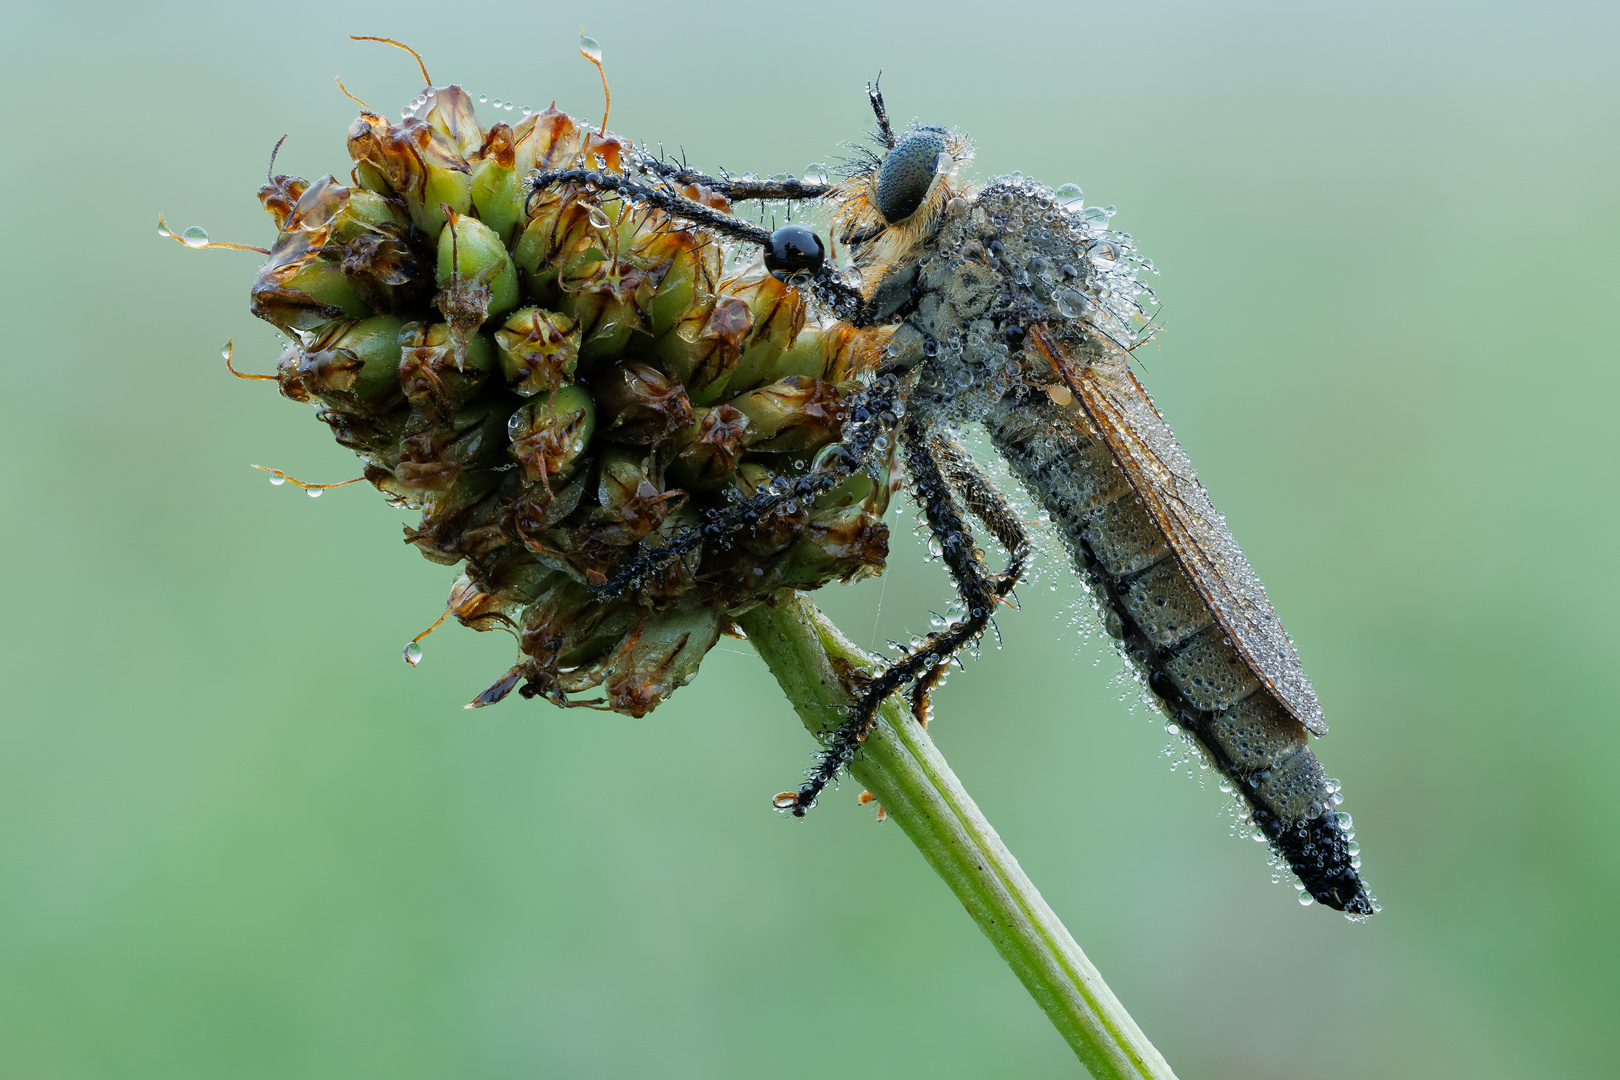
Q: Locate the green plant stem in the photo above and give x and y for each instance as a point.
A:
(899, 765)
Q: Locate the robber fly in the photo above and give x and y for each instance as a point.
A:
(1016, 311)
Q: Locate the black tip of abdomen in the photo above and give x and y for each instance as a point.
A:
(1320, 854)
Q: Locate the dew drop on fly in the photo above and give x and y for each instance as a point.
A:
(277, 478)
(591, 48)
(225, 350)
(599, 219)
(412, 653)
(314, 492)
(1070, 195)
(196, 236)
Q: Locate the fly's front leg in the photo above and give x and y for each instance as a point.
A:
(792, 252)
(990, 506)
(868, 418)
(732, 188)
(672, 203)
(978, 592)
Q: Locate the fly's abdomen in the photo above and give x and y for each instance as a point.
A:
(1167, 630)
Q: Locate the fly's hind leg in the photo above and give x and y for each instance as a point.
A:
(979, 592)
(990, 506)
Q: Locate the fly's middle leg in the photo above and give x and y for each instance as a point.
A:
(979, 591)
(991, 507)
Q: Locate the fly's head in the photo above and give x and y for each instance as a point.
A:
(888, 211)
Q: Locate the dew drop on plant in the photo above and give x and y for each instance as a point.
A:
(1070, 195)
(412, 654)
(196, 236)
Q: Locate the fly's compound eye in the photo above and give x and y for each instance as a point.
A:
(794, 250)
(908, 172)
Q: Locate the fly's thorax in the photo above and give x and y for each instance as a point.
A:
(1004, 259)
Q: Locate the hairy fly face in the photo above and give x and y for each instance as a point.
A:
(889, 210)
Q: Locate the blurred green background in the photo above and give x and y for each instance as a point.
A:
(239, 838)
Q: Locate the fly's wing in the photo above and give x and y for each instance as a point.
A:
(1159, 472)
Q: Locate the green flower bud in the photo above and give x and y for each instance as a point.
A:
(450, 112)
(838, 545)
(302, 284)
(604, 296)
(433, 375)
(705, 346)
(776, 315)
(557, 234)
(688, 272)
(550, 433)
(639, 404)
(496, 192)
(539, 350)
(663, 658)
(566, 634)
(469, 249)
(710, 448)
(794, 415)
(344, 361)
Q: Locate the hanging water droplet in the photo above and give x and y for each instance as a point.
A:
(412, 654)
(599, 219)
(507, 106)
(1305, 899)
(1070, 195)
(165, 233)
(496, 102)
(786, 800)
(196, 236)
(225, 350)
(944, 163)
(314, 493)
(591, 48)
(277, 478)
(1345, 821)
(815, 173)
(483, 99)
(1070, 303)
(516, 423)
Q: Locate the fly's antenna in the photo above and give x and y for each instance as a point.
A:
(591, 50)
(397, 45)
(271, 168)
(874, 93)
